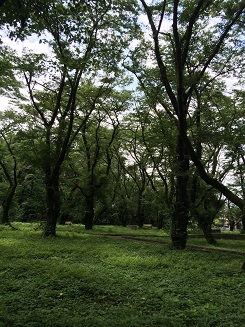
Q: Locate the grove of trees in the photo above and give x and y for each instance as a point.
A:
(134, 114)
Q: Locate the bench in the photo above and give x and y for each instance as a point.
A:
(147, 226)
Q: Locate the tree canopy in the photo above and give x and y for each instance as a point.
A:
(130, 116)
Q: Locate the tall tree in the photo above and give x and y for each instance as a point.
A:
(184, 56)
(8, 162)
(148, 145)
(78, 50)
(94, 149)
(11, 177)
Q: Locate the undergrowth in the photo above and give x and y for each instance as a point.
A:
(78, 279)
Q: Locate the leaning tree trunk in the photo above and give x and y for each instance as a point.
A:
(7, 202)
(7, 205)
(180, 215)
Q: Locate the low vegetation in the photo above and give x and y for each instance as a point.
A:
(79, 279)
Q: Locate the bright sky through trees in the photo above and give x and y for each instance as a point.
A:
(181, 53)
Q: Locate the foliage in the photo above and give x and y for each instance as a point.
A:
(9, 85)
(97, 148)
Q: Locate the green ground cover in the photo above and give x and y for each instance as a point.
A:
(78, 279)
(234, 245)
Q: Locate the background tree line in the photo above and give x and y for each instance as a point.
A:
(127, 119)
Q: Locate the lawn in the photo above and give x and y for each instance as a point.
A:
(79, 279)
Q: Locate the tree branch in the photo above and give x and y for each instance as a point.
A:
(162, 68)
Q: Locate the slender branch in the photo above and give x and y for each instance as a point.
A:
(219, 44)
(188, 33)
(6, 173)
(58, 100)
(162, 68)
(162, 16)
(28, 82)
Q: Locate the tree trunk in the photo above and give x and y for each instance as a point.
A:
(210, 180)
(180, 215)
(207, 231)
(141, 210)
(160, 221)
(89, 212)
(243, 220)
(7, 205)
(53, 204)
(232, 225)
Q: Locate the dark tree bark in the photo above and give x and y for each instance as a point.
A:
(89, 211)
(243, 220)
(180, 215)
(52, 203)
(140, 210)
(7, 204)
(12, 180)
(178, 100)
(205, 223)
(207, 232)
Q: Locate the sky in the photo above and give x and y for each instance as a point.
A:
(31, 43)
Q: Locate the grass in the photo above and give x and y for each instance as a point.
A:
(79, 279)
(234, 245)
(115, 230)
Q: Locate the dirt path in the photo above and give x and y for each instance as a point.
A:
(139, 238)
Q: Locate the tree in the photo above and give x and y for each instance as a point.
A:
(183, 57)
(8, 164)
(147, 145)
(78, 50)
(231, 215)
(9, 85)
(11, 177)
(211, 112)
(136, 169)
(94, 145)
